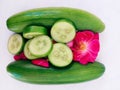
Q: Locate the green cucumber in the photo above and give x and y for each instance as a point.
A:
(48, 16)
(27, 72)
(27, 51)
(15, 44)
(40, 46)
(63, 31)
(61, 55)
(33, 31)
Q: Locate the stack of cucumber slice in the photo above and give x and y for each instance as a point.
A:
(39, 44)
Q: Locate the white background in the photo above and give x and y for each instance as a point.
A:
(107, 10)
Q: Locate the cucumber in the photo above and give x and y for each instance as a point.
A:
(27, 51)
(27, 72)
(33, 31)
(63, 31)
(48, 16)
(15, 44)
(40, 46)
(61, 55)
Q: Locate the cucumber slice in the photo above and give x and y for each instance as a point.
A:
(27, 51)
(15, 44)
(63, 31)
(32, 31)
(61, 55)
(40, 46)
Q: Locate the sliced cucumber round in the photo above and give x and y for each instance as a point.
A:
(63, 31)
(27, 51)
(32, 31)
(15, 44)
(61, 55)
(40, 46)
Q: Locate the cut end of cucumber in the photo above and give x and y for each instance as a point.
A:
(63, 31)
(40, 46)
(15, 44)
(27, 51)
(61, 55)
(33, 31)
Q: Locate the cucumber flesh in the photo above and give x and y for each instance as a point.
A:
(33, 31)
(63, 31)
(61, 55)
(40, 46)
(27, 51)
(15, 44)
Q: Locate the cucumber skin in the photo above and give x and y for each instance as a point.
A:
(26, 72)
(48, 16)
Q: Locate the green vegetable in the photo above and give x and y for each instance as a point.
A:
(48, 16)
(61, 55)
(26, 72)
(63, 31)
(33, 31)
(40, 46)
(15, 44)
(27, 51)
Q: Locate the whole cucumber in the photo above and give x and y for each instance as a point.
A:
(26, 72)
(48, 16)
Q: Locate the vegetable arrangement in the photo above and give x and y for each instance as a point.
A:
(56, 42)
